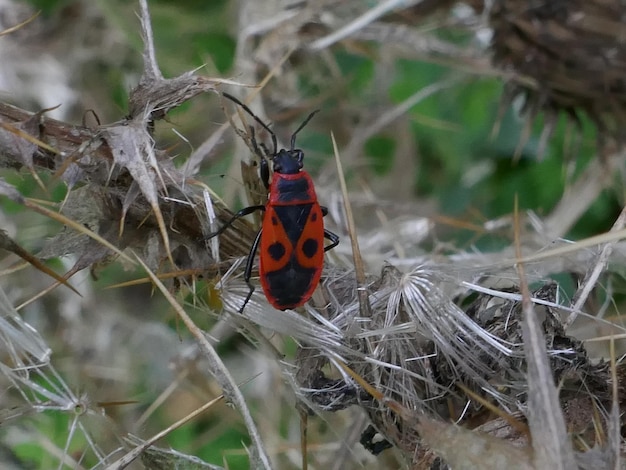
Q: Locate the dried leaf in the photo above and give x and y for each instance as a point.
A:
(133, 148)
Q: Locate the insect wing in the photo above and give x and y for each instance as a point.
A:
(276, 248)
(292, 253)
(310, 246)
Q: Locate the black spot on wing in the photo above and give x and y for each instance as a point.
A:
(276, 250)
(274, 220)
(314, 217)
(310, 247)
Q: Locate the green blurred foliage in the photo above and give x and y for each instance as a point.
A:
(48, 7)
(54, 426)
(191, 34)
(379, 151)
(224, 447)
(357, 70)
(32, 455)
(450, 154)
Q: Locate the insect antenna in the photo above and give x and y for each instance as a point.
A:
(257, 119)
(306, 121)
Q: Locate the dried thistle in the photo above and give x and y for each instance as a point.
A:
(564, 57)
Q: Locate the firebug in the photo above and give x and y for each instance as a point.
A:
(291, 238)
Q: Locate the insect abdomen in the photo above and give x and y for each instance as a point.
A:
(290, 286)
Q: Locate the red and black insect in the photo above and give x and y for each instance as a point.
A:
(292, 234)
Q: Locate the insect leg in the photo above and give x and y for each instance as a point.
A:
(243, 212)
(254, 143)
(247, 274)
(265, 168)
(265, 172)
(333, 237)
